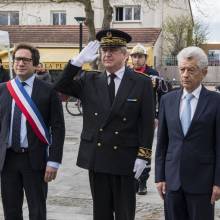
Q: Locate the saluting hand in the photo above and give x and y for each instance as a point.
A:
(87, 55)
(50, 174)
(215, 194)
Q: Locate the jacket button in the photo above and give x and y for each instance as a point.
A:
(99, 144)
(116, 132)
(115, 147)
(95, 113)
(124, 119)
(100, 129)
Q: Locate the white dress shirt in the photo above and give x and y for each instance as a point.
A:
(193, 102)
(119, 75)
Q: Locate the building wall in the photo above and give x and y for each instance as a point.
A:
(40, 13)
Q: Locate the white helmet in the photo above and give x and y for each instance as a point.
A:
(139, 49)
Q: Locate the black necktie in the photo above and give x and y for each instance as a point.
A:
(16, 125)
(111, 88)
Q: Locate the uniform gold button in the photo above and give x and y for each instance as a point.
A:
(95, 113)
(99, 144)
(116, 132)
(115, 147)
(100, 129)
(124, 119)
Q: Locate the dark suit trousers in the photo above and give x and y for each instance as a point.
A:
(184, 206)
(113, 196)
(17, 177)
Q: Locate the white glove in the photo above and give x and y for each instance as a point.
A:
(87, 55)
(139, 166)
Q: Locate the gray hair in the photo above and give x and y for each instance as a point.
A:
(124, 50)
(196, 53)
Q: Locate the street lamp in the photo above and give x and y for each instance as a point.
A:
(80, 20)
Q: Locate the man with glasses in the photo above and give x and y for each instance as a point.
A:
(32, 137)
(118, 123)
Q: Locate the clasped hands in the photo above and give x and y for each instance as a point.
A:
(87, 55)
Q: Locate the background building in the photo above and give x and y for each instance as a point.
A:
(52, 27)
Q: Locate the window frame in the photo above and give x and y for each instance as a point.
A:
(124, 15)
(59, 17)
(9, 17)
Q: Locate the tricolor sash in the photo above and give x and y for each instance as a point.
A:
(29, 109)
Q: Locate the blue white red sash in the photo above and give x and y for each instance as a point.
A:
(29, 109)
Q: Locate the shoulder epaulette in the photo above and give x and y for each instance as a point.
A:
(142, 73)
(93, 71)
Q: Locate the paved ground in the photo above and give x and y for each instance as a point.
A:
(69, 195)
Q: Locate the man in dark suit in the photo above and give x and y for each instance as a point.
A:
(187, 168)
(4, 75)
(118, 118)
(26, 162)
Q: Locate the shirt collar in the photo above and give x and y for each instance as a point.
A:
(119, 73)
(195, 92)
(29, 81)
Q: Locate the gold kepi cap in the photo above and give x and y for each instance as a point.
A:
(113, 38)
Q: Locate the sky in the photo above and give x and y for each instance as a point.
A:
(208, 12)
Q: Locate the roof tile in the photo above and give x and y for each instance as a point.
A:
(69, 34)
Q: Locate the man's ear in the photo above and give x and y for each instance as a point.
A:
(127, 56)
(204, 71)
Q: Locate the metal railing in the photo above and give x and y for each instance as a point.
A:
(172, 61)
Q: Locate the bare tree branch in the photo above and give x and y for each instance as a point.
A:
(108, 11)
(180, 32)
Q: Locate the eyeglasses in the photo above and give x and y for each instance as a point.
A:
(25, 60)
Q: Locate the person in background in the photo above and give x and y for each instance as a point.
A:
(32, 137)
(4, 75)
(42, 73)
(187, 159)
(139, 58)
(118, 123)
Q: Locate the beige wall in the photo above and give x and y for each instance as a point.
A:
(40, 13)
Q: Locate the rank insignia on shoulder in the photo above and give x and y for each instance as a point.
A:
(142, 73)
(93, 71)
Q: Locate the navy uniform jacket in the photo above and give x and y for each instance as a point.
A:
(112, 137)
(191, 162)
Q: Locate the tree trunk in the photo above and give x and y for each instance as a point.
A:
(90, 20)
(108, 11)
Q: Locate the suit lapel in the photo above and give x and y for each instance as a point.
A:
(9, 107)
(202, 103)
(176, 112)
(124, 89)
(101, 86)
(35, 89)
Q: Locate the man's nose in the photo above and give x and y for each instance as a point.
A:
(185, 73)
